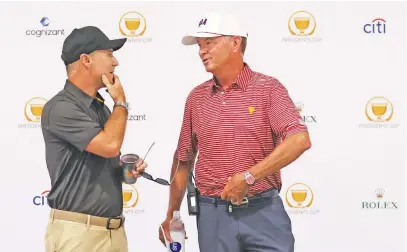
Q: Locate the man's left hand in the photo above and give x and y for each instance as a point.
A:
(235, 189)
(139, 168)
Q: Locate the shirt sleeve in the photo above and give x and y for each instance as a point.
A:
(283, 116)
(185, 141)
(70, 123)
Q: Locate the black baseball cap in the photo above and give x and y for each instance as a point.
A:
(86, 40)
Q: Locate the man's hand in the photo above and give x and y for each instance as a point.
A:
(166, 228)
(139, 167)
(235, 189)
(115, 89)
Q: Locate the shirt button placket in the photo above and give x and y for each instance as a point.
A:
(223, 97)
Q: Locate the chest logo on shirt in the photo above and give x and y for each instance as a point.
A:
(251, 110)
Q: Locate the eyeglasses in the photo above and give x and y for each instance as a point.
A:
(149, 177)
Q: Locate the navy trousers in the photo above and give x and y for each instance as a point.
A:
(263, 226)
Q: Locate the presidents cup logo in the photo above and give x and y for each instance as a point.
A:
(33, 109)
(130, 199)
(299, 197)
(302, 24)
(133, 25)
(379, 112)
(379, 109)
(32, 112)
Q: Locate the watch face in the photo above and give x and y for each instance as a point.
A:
(250, 179)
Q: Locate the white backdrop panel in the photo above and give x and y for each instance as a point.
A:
(354, 173)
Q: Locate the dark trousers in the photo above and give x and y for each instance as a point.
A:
(263, 226)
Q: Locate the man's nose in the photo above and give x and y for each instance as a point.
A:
(202, 51)
(115, 62)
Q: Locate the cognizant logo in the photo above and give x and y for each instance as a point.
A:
(45, 31)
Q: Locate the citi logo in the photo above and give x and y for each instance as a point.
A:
(41, 200)
(378, 25)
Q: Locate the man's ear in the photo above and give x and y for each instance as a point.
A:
(236, 43)
(86, 60)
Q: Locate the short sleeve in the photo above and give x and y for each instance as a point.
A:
(185, 138)
(69, 122)
(283, 116)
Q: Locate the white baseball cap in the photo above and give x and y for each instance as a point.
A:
(214, 25)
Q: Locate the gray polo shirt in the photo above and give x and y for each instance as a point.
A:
(81, 181)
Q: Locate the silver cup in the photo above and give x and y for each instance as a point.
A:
(129, 161)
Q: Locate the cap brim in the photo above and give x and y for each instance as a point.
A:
(191, 38)
(115, 44)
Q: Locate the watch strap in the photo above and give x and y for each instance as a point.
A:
(121, 103)
(249, 178)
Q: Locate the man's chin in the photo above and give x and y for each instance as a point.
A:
(109, 77)
(209, 68)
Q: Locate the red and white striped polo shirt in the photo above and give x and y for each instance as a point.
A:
(236, 128)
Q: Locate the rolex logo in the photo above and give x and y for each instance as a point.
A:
(379, 202)
(379, 193)
(305, 118)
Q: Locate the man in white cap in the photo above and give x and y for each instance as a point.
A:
(246, 128)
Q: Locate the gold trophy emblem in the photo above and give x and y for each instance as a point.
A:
(127, 195)
(299, 195)
(36, 110)
(33, 109)
(132, 24)
(130, 195)
(302, 23)
(379, 109)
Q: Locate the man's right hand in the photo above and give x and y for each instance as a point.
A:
(166, 227)
(116, 89)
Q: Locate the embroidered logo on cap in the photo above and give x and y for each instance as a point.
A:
(202, 22)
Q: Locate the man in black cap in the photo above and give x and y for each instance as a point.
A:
(83, 140)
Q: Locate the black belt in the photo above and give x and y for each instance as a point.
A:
(258, 198)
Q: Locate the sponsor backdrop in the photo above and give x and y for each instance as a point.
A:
(343, 64)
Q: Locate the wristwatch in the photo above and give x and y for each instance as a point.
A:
(249, 178)
(123, 104)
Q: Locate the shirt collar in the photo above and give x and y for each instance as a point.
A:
(242, 80)
(82, 96)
